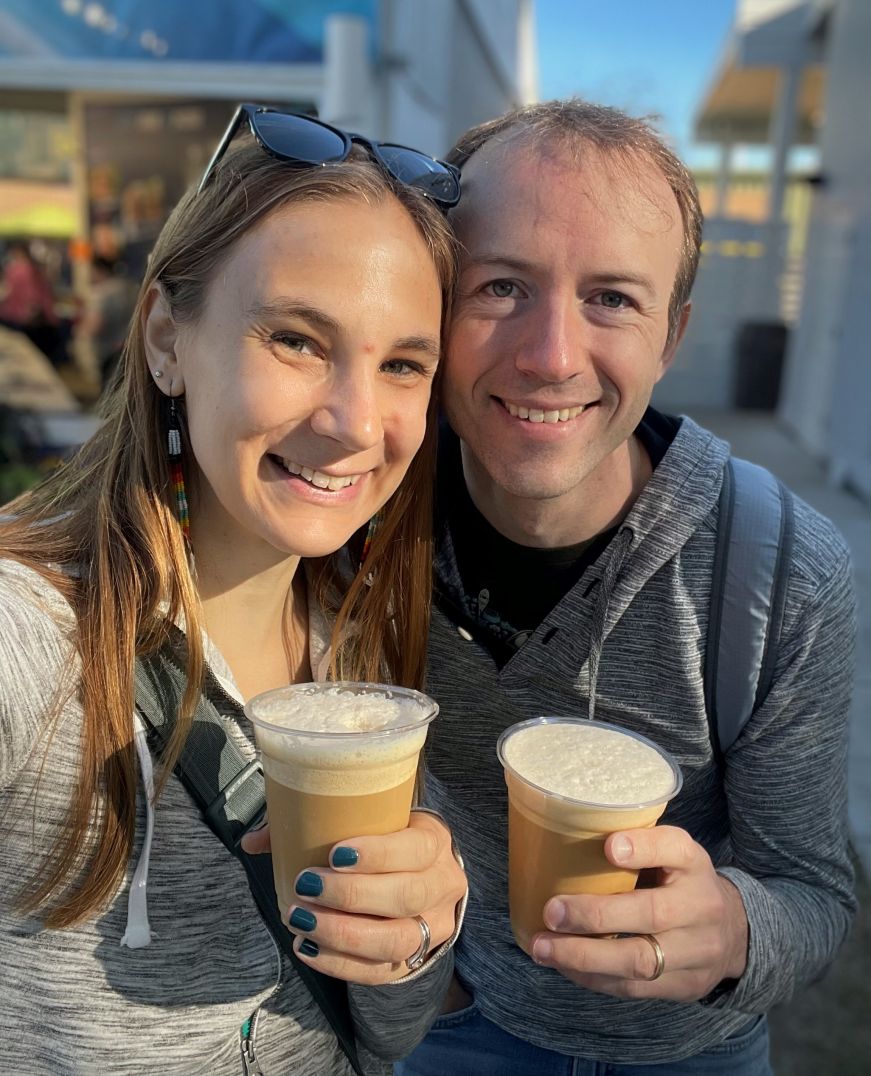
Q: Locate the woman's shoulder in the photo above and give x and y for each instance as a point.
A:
(29, 600)
(37, 658)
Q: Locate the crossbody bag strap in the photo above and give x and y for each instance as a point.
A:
(229, 791)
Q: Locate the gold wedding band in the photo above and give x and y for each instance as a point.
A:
(422, 952)
(658, 953)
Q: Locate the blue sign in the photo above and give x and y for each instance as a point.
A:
(214, 31)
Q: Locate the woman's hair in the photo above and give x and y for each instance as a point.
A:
(103, 531)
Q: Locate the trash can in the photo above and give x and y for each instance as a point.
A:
(759, 351)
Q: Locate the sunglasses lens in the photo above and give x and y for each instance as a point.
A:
(298, 138)
(418, 170)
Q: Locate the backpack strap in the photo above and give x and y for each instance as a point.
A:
(748, 591)
(229, 790)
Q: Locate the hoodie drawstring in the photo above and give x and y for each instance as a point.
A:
(138, 932)
(619, 552)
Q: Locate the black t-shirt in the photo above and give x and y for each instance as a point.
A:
(507, 589)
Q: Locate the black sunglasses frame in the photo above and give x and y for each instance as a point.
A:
(250, 113)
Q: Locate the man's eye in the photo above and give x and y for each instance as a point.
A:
(501, 289)
(612, 299)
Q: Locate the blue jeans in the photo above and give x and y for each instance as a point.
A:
(464, 1043)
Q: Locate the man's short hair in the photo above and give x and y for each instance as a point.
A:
(578, 123)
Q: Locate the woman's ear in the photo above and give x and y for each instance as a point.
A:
(161, 337)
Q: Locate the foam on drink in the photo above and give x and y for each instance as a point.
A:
(584, 761)
(331, 741)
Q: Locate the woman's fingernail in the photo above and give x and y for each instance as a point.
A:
(309, 884)
(621, 848)
(345, 857)
(300, 919)
(554, 914)
(309, 948)
(542, 950)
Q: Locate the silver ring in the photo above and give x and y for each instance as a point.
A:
(422, 952)
(658, 953)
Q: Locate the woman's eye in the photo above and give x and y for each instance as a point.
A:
(295, 342)
(401, 368)
(501, 289)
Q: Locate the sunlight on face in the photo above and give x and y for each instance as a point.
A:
(308, 374)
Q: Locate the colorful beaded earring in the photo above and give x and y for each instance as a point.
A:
(176, 471)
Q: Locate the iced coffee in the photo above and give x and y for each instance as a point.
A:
(340, 761)
(570, 783)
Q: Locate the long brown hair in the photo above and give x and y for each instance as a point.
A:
(102, 529)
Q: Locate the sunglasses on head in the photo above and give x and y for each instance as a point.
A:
(308, 142)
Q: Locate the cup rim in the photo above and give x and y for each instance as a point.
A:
(363, 687)
(512, 729)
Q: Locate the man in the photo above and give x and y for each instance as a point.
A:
(577, 534)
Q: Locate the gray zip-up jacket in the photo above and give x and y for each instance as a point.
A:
(627, 643)
(163, 992)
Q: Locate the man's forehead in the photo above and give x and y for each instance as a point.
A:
(546, 178)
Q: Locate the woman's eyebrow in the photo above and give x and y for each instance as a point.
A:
(425, 345)
(294, 308)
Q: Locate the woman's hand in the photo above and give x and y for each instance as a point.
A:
(356, 919)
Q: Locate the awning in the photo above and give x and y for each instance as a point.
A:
(743, 95)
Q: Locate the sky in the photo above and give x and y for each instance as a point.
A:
(644, 56)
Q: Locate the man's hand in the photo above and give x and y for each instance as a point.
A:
(697, 917)
(364, 927)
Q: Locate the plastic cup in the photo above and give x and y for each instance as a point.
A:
(339, 760)
(571, 782)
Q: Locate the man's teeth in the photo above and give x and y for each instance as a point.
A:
(533, 414)
(318, 478)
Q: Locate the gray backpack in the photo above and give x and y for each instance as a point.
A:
(748, 590)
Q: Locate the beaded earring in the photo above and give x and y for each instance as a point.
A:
(176, 471)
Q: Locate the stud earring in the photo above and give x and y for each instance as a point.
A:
(158, 374)
(173, 441)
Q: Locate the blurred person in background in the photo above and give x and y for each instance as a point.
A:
(110, 304)
(268, 408)
(27, 302)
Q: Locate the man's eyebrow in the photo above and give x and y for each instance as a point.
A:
(613, 277)
(294, 308)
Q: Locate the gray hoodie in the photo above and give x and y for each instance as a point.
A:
(164, 988)
(626, 645)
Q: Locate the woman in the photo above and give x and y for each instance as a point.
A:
(275, 392)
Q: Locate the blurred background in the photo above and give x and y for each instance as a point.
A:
(110, 108)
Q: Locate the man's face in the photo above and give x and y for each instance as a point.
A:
(560, 329)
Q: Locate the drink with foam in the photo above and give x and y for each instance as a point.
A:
(340, 761)
(570, 783)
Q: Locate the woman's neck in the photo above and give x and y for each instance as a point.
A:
(255, 614)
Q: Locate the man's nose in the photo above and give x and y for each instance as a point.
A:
(553, 346)
(351, 412)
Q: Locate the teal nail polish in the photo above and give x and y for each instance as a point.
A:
(309, 884)
(309, 948)
(302, 920)
(345, 857)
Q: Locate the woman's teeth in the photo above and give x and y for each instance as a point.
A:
(318, 478)
(533, 414)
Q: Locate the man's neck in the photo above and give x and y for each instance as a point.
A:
(596, 505)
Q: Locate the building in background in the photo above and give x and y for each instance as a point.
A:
(118, 103)
(794, 74)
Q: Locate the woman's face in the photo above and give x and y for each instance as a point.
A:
(308, 373)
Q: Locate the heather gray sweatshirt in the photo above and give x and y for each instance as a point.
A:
(774, 822)
(82, 1001)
